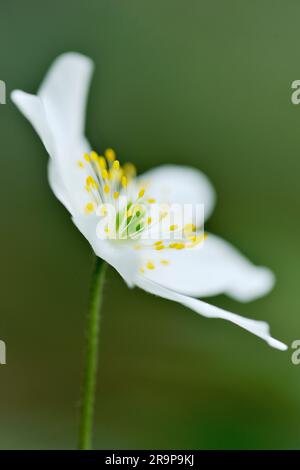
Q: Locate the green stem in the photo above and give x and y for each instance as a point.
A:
(91, 358)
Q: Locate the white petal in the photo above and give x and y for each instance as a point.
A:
(180, 185)
(258, 328)
(64, 94)
(119, 255)
(212, 268)
(33, 109)
(57, 113)
(58, 187)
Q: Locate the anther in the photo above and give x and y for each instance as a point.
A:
(141, 192)
(129, 170)
(150, 265)
(94, 156)
(190, 228)
(110, 155)
(116, 165)
(89, 208)
(104, 174)
(102, 163)
(91, 182)
(124, 181)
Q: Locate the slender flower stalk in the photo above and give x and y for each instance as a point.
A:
(91, 356)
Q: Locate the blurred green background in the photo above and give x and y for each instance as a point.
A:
(204, 83)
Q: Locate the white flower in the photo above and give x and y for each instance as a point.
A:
(82, 181)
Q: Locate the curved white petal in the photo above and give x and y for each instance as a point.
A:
(57, 113)
(211, 268)
(33, 109)
(58, 187)
(119, 255)
(258, 328)
(64, 94)
(180, 185)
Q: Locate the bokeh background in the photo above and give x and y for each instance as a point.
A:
(204, 83)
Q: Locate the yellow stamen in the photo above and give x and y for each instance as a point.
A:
(94, 156)
(91, 182)
(165, 262)
(197, 239)
(110, 155)
(87, 157)
(150, 265)
(118, 174)
(89, 208)
(177, 246)
(104, 174)
(102, 163)
(149, 220)
(80, 164)
(129, 170)
(124, 181)
(190, 228)
(151, 201)
(141, 192)
(180, 246)
(116, 195)
(173, 227)
(116, 165)
(159, 247)
(106, 188)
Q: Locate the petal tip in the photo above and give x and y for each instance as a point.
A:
(277, 344)
(73, 56)
(16, 95)
(260, 281)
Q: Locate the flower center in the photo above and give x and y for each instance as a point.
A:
(127, 212)
(105, 177)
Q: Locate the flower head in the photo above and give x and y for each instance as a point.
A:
(128, 220)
